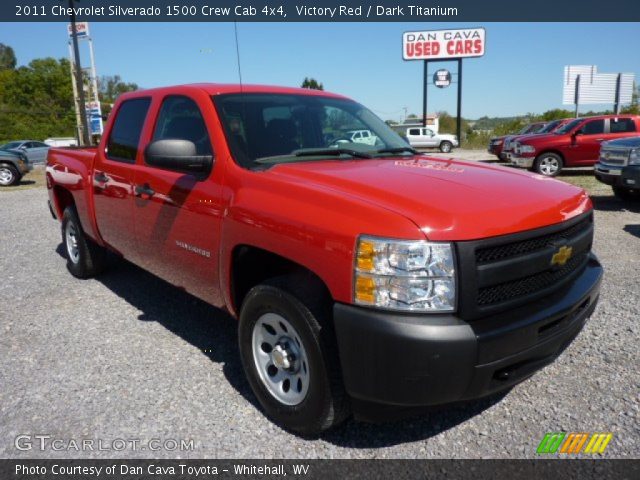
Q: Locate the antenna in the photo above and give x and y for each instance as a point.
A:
(235, 28)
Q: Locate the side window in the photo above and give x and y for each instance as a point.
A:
(127, 127)
(594, 127)
(622, 125)
(414, 131)
(180, 118)
(365, 134)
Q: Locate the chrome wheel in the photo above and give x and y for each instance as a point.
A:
(6, 176)
(71, 240)
(549, 166)
(280, 359)
(445, 147)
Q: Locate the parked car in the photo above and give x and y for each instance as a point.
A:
(425, 137)
(13, 166)
(511, 140)
(619, 166)
(361, 275)
(576, 144)
(496, 144)
(35, 151)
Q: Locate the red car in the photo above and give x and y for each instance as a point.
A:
(361, 275)
(576, 144)
(496, 144)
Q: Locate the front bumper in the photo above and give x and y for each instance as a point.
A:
(24, 167)
(420, 360)
(522, 162)
(628, 176)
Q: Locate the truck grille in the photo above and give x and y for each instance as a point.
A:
(503, 272)
(500, 252)
(528, 285)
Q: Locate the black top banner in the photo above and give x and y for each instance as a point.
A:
(321, 11)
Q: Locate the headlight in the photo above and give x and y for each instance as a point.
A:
(405, 275)
(634, 157)
(527, 149)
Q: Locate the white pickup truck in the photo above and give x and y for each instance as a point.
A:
(425, 137)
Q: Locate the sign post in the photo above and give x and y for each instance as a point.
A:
(443, 45)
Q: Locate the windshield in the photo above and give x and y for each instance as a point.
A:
(550, 126)
(569, 126)
(10, 145)
(271, 128)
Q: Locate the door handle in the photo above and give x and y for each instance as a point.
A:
(101, 177)
(599, 139)
(144, 189)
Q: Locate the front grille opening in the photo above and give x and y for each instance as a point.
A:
(551, 325)
(528, 285)
(501, 252)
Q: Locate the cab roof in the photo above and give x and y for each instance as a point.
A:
(226, 88)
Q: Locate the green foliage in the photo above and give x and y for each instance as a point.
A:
(312, 83)
(36, 101)
(110, 88)
(7, 57)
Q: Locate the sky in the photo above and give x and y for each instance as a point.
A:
(521, 71)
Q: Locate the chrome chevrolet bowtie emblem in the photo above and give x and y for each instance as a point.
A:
(561, 256)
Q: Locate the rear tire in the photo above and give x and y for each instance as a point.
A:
(627, 194)
(84, 257)
(446, 147)
(304, 392)
(548, 164)
(8, 175)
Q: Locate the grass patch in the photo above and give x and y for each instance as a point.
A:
(585, 179)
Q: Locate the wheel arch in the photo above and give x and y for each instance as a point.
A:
(251, 266)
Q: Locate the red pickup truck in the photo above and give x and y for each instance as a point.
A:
(361, 275)
(575, 144)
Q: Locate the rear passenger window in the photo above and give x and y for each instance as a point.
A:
(180, 118)
(414, 131)
(622, 125)
(593, 127)
(127, 127)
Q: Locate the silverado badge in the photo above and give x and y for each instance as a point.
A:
(562, 255)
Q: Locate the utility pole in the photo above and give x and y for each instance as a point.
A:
(84, 139)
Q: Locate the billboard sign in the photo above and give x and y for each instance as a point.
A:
(82, 29)
(583, 85)
(443, 44)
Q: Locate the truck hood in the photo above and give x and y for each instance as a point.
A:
(541, 138)
(631, 142)
(447, 199)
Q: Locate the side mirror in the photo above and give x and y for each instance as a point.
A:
(177, 155)
(578, 132)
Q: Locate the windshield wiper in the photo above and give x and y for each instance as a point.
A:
(399, 150)
(308, 152)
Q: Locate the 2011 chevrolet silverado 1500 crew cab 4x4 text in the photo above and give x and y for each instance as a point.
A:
(361, 275)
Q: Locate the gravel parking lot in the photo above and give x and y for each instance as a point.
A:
(127, 356)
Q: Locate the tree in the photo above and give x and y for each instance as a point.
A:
(110, 88)
(7, 57)
(312, 83)
(36, 101)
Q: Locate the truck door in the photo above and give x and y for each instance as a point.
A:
(586, 144)
(414, 137)
(113, 177)
(177, 215)
(429, 137)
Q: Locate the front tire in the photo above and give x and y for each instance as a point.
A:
(288, 352)
(84, 257)
(627, 194)
(548, 164)
(8, 175)
(446, 147)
